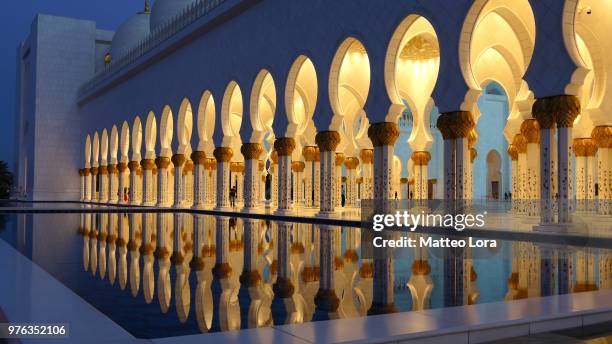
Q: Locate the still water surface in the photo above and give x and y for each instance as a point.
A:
(163, 275)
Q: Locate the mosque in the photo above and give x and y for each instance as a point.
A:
(321, 104)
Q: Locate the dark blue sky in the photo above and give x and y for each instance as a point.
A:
(15, 19)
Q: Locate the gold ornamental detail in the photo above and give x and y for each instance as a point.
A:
(298, 166)
(531, 130)
(421, 158)
(602, 136)
(584, 147)
(383, 134)
(162, 162)
(198, 157)
(339, 159)
(560, 110)
(512, 152)
(284, 145)
(178, 160)
(147, 164)
(327, 141)
(351, 163)
(309, 153)
(251, 151)
(367, 156)
(520, 142)
(237, 167)
(223, 154)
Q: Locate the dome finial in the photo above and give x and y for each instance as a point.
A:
(147, 6)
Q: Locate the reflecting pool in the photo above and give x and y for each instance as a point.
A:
(170, 274)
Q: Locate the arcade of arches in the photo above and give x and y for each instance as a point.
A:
(542, 153)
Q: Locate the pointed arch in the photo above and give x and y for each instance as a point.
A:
(206, 123)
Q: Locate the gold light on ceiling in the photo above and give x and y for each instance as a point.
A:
(419, 48)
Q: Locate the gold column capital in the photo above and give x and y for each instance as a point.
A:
(421, 158)
(351, 163)
(103, 170)
(531, 130)
(178, 160)
(237, 167)
(339, 159)
(112, 169)
(456, 124)
(367, 156)
(560, 110)
(512, 152)
(284, 145)
(251, 151)
(147, 164)
(472, 137)
(261, 166)
(309, 153)
(602, 136)
(274, 156)
(86, 171)
(198, 157)
(473, 154)
(584, 147)
(223, 154)
(328, 141)
(298, 166)
(134, 166)
(520, 142)
(94, 171)
(383, 134)
(162, 162)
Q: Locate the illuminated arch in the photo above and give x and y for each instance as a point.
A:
(125, 141)
(165, 132)
(263, 107)
(300, 96)
(184, 127)
(114, 145)
(206, 123)
(150, 136)
(136, 139)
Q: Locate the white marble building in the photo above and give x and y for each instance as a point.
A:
(320, 101)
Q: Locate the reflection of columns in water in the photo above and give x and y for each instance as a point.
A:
(284, 147)
(112, 247)
(585, 270)
(420, 283)
(327, 141)
(223, 156)
(249, 294)
(251, 153)
(565, 271)
(602, 137)
(383, 284)
(455, 274)
(162, 253)
(351, 164)
(548, 270)
(338, 175)
(123, 234)
(102, 242)
(146, 250)
(309, 153)
(93, 245)
(134, 246)
(221, 274)
(283, 306)
(326, 300)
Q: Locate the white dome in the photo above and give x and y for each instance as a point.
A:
(130, 33)
(164, 10)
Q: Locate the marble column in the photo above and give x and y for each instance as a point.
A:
(298, 186)
(274, 179)
(162, 184)
(124, 182)
(445, 125)
(103, 175)
(284, 146)
(188, 181)
(88, 184)
(602, 137)
(327, 141)
(530, 131)
(134, 166)
(338, 175)
(223, 156)
(513, 154)
(351, 164)
(261, 183)
(472, 153)
(585, 150)
(309, 153)
(199, 179)
(147, 168)
(316, 178)
(113, 173)
(251, 153)
(383, 136)
(562, 111)
(367, 173)
(421, 179)
(237, 180)
(462, 125)
(82, 181)
(178, 160)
